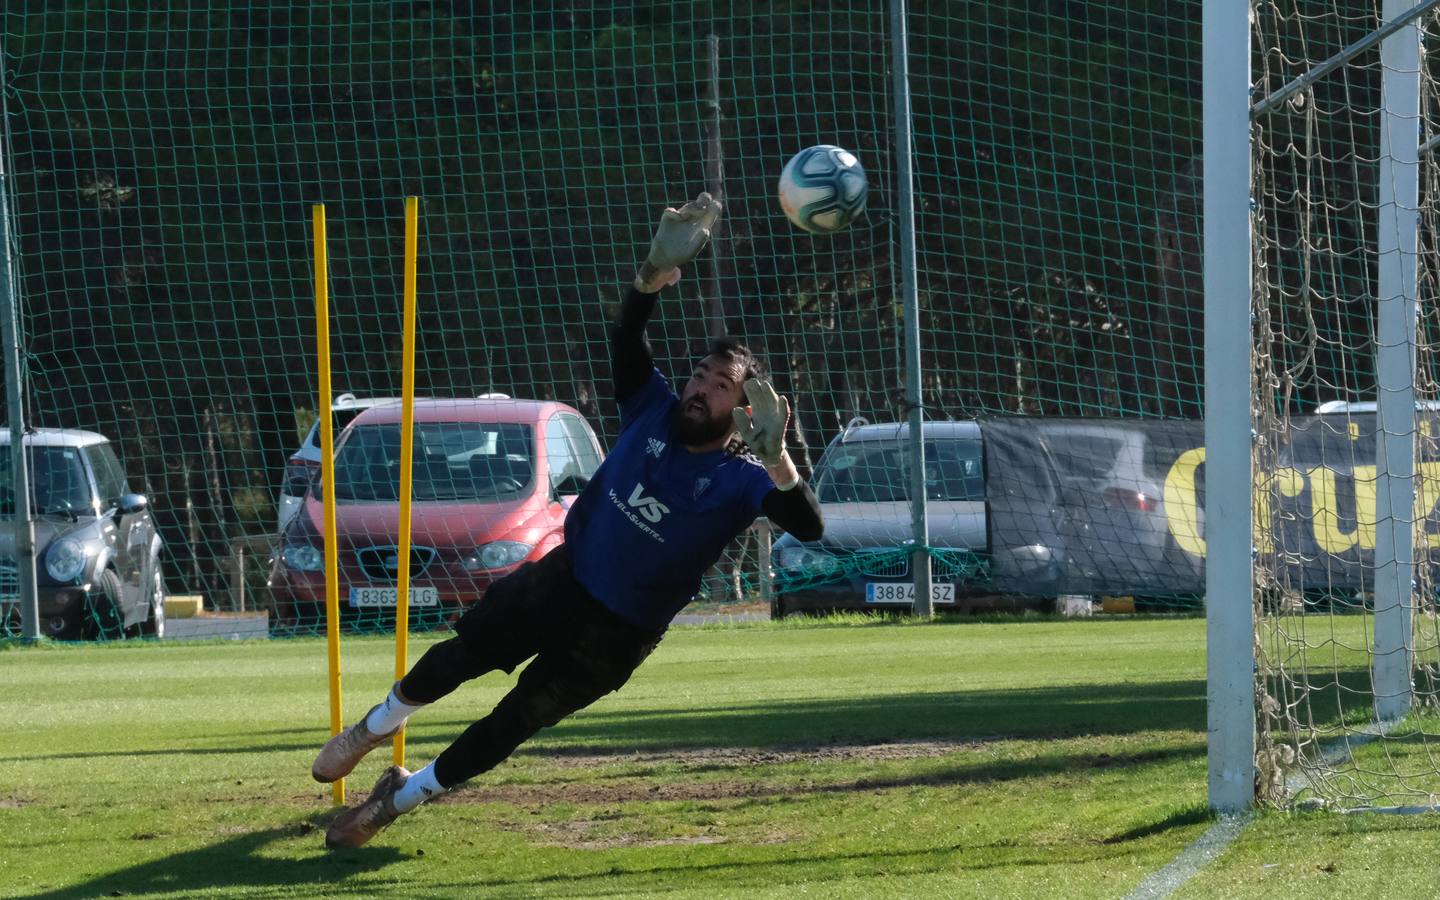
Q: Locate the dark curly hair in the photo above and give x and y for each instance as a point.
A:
(734, 349)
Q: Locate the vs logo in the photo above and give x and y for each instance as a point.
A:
(648, 507)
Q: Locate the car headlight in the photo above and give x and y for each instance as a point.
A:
(497, 555)
(303, 557)
(65, 559)
(814, 562)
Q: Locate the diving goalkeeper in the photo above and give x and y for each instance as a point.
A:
(687, 474)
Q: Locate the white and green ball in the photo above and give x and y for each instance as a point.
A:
(822, 188)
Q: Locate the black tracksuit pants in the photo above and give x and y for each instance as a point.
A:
(582, 652)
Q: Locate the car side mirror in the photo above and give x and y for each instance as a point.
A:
(296, 485)
(569, 486)
(130, 504)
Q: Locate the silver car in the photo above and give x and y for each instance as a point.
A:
(304, 464)
(97, 554)
(863, 561)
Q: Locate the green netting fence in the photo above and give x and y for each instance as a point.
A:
(163, 162)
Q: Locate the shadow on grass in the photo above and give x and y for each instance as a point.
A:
(232, 866)
(770, 875)
(633, 767)
(1195, 815)
(235, 864)
(744, 784)
(1067, 711)
(1058, 712)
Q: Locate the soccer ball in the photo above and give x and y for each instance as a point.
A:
(822, 188)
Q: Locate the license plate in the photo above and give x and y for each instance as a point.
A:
(364, 598)
(904, 592)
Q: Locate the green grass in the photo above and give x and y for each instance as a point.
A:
(833, 759)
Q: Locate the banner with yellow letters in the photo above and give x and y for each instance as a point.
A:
(1116, 506)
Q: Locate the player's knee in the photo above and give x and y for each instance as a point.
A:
(444, 667)
(552, 702)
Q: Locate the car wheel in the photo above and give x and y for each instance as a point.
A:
(154, 625)
(295, 617)
(101, 613)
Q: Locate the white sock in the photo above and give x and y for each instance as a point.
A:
(390, 714)
(420, 787)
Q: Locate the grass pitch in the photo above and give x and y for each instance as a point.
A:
(835, 759)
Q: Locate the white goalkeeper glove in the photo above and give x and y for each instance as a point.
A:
(762, 426)
(681, 236)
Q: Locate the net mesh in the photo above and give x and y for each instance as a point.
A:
(165, 161)
(1323, 737)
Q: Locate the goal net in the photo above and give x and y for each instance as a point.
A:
(1345, 413)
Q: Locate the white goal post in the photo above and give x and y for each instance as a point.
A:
(1298, 632)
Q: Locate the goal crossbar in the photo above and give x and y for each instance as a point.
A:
(1301, 82)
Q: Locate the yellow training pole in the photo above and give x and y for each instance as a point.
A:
(327, 478)
(407, 451)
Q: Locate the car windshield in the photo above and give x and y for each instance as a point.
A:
(1083, 457)
(878, 471)
(58, 478)
(453, 461)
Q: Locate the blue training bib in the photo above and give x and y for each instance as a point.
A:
(656, 517)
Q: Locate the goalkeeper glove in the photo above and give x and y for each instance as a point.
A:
(681, 236)
(762, 426)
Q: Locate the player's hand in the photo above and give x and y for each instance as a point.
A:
(682, 234)
(762, 425)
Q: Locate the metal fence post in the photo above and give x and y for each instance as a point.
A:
(910, 297)
(715, 184)
(10, 335)
(763, 539)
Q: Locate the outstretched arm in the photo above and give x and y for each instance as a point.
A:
(796, 511)
(792, 505)
(630, 358)
(680, 237)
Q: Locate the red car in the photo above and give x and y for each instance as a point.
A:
(492, 481)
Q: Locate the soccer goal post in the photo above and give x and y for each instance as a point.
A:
(1319, 212)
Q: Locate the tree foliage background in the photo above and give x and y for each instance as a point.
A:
(164, 161)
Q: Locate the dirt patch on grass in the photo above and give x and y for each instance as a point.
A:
(646, 788)
(711, 757)
(601, 833)
(589, 834)
(1126, 760)
(14, 802)
(607, 792)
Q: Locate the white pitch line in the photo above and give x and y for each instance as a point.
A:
(1183, 867)
(1214, 841)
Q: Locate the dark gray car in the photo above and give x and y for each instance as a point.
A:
(97, 554)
